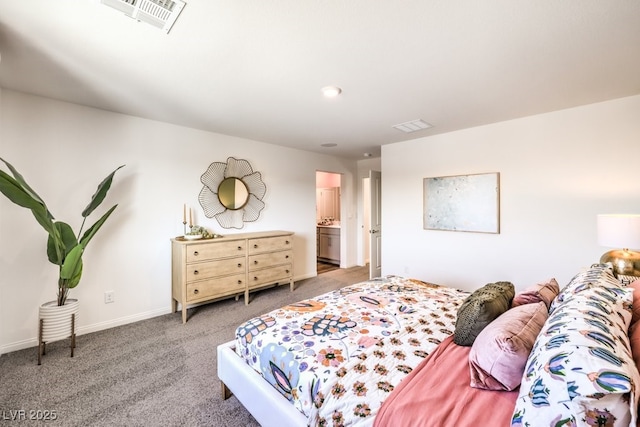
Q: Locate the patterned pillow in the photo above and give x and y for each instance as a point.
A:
(480, 308)
(602, 274)
(544, 292)
(499, 353)
(580, 371)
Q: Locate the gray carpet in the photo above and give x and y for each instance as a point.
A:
(157, 372)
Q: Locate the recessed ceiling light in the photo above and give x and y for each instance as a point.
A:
(329, 144)
(412, 126)
(367, 154)
(331, 91)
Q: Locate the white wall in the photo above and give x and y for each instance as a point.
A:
(557, 172)
(64, 150)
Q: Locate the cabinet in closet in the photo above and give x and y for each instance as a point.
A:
(328, 203)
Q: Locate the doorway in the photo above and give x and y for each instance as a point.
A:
(371, 236)
(328, 221)
(374, 219)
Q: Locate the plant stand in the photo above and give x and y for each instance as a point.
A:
(57, 323)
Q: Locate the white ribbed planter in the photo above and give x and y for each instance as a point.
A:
(56, 320)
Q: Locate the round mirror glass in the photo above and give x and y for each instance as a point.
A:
(233, 193)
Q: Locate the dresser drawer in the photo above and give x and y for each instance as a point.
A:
(257, 262)
(269, 275)
(221, 267)
(205, 251)
(212, 288)
(267, 244)
(212, 269)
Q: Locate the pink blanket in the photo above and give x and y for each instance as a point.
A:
(437, 393)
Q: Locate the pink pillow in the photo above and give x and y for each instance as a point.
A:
(498, 355)
(544, 292)
(636, 301)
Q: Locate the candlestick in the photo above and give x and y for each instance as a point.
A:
(190, 218)
(184, 219)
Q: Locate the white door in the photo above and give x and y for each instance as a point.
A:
(375, 231)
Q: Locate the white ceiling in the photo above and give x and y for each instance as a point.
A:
(254, 68)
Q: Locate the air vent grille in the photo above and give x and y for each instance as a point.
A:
(412, 126)
(159, 13)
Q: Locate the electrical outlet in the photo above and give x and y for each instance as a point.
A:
(109, 297)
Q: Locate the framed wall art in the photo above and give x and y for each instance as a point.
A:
(462, 203)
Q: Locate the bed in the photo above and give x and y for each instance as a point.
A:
(384, 353)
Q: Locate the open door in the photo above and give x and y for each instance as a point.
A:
(375, 230)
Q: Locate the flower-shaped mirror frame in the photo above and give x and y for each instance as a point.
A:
(232, 193)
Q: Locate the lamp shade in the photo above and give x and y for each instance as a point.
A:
(619, 231)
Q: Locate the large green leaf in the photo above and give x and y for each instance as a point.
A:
(88, 235)
(71, 269)
(16, 193)
(71, 276)
(23, 185)
(44, 218)
(20, 194)
(100, 193)
(58, 247)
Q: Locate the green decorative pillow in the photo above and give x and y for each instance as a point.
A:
(480, 308)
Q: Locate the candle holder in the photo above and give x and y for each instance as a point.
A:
(184, 227)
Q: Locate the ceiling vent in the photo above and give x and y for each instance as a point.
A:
(412, 126)
(159, 13)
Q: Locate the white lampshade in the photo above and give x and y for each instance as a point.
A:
(619, 231)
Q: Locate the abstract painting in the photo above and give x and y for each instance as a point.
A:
(463, 203)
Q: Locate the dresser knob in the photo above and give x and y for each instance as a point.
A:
(239, 248)
(255, 262)
(286, 242)
(196, 253)
(195, 292)
(239, 282)
(255, 278)
(196, 272)
(286, 257)
(287, 271)
(239, 265)
(255, 246)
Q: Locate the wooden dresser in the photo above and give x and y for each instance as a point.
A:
(207, 270)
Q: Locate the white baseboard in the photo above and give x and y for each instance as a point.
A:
(33, 342)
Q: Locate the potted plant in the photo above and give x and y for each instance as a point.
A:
(64, 247)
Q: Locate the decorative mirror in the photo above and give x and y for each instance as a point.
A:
(232, 193)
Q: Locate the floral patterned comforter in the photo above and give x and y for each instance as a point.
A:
(338, 356)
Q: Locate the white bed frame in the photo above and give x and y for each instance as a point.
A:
(260, 398)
